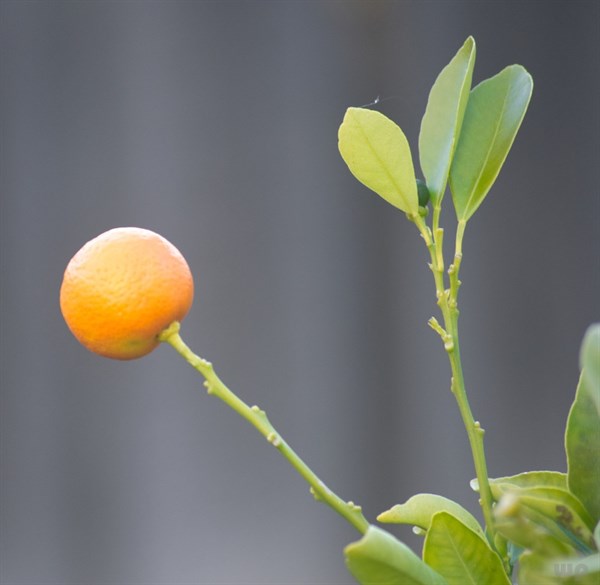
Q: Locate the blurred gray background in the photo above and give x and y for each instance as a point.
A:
(215, 124)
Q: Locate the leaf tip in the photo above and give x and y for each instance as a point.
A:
(385, 517)
(470, 42)
(518, 69)
(590, 347)
(350, 111)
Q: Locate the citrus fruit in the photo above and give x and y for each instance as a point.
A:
(122, 289)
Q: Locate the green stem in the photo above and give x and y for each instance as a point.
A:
(474, 430)
(455, 267)
(448, 302)
(258, 418)
(437, 209)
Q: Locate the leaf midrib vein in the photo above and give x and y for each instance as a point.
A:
(489, 151)
(387, 172)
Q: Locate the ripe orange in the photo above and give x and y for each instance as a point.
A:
(122, 289)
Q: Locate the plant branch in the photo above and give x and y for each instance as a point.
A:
(258, 418)
(447, 300)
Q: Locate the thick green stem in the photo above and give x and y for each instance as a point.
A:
(448, 302)
(258, 418)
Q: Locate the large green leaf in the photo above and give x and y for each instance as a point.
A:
(420, 509)
(582, 437)
(378, 155)
(380, 559)
(495, 110)
(460, 555)
(527, 479)
(441, 124)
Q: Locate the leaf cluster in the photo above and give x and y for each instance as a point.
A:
(465, 137)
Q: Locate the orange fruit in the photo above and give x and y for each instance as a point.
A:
(122, 289)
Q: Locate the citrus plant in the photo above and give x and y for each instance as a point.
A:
(129, 289)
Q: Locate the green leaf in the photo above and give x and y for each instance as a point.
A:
(550, 558)
(547, 493)
(441, 124)
(528, 479)
(530, 530)
(562, 507)
(586, 567)
(494, 113)
(460, 555)
(558, 510)
(378, 155)
(379, 558)
(590, 363)
(582, 436)
(420, 509)
(535, 569)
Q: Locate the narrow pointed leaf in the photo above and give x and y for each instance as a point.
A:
(460, 555)
(582, 436)
(378, 155)
(441, 124)
(380, 559)
(494, 113)
(420, 509)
